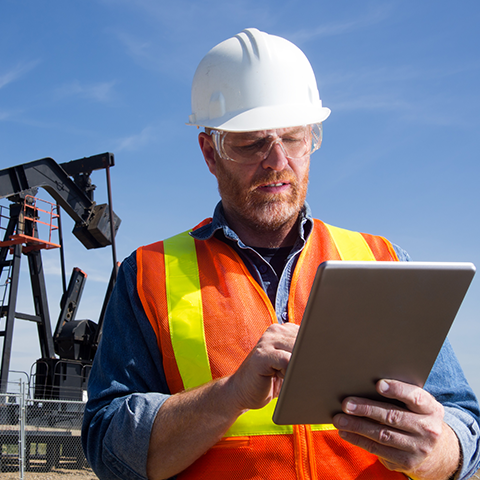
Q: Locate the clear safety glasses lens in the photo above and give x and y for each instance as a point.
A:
(254, 147)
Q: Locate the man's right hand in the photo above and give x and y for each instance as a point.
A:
(259, 378)
(191, 422)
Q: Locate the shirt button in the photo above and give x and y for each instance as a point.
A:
(263, 269)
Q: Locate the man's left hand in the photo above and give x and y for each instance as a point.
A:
(414, 440)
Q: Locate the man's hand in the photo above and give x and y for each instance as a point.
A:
(259, 378)
(414, 440)
(191, 422)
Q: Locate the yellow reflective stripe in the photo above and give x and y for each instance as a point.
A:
(185, 312)
(322, 427)
(350, 245)
(258, 422)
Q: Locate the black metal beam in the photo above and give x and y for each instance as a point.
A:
(41, 303)
(69, 194)
(89, 164)
(46, 173)
(70, 302)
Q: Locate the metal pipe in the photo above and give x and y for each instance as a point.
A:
(112, 224)
(21, 440)
(62, 254)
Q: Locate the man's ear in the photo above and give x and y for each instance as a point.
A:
(208, 149)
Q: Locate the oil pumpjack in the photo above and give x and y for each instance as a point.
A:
(66, 353)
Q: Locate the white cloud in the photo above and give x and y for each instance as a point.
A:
(137, 140)
(371, 17)
(374, 102)
(4, 115)
(153, 54)
(168, 41)
(135, 47)
(101, 92)
(425, 111)
(399, 74)
(17, 72)
(140, 50)
(419, 94)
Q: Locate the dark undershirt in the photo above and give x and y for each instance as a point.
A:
(276, 257)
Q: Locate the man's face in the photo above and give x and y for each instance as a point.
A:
(267, 195)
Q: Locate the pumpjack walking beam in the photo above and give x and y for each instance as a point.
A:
(92, 221)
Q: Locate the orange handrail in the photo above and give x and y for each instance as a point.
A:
(33, 207)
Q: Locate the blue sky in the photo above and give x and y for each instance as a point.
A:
(400, 155)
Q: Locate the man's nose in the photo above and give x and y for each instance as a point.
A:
(276, 158)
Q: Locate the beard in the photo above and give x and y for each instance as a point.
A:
(262, 211)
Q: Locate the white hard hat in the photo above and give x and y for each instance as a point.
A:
(255, 81)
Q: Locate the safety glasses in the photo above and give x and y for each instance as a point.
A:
(254, 147)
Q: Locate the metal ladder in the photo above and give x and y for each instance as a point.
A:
(21, 237)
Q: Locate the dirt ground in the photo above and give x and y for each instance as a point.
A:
(54, 474)
(85, 474)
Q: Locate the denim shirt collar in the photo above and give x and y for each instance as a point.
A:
(219, 222)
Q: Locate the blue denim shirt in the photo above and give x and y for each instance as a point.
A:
(127, 385)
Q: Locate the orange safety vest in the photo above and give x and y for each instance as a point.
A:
(208, 312)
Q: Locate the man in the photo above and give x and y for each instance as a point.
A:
(200, 327)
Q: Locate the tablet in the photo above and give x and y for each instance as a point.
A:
(365, 321)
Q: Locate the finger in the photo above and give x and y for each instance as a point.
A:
(270, 361)
(363, 432)
(395, 417)
(285, 330)
(280, 337)
(392, 457)
(260, 375)
(415, 398)
(388, 424)
(380, 412)
(274, 349)
(397, 450)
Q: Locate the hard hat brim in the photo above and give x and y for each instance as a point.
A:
(266, 118)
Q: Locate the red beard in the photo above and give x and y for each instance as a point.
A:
(259, 209)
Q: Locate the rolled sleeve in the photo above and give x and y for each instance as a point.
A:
(447, 383)
(468, 434)
(128, 458)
